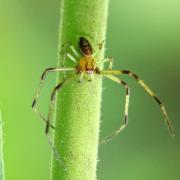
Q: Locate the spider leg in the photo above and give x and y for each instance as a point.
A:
(81, 76)
(72, 48)
(51, 105)
(148, 90)
(34, 104)
(115, 133)
(52, 101)
(68, 55)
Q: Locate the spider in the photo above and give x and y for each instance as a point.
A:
(87, 65)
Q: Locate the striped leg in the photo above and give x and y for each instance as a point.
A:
(115, 133)
(34, 104)
(149, 91)
(51, 106)
(52, 101)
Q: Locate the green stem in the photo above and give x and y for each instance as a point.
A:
(1, 151)
(78, 105)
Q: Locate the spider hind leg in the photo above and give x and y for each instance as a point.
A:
(154, 96)
(51, 107)
(121, 128)
(147, 90)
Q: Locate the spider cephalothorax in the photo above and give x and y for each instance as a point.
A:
(86, 64)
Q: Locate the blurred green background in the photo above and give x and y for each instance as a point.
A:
(142, 35)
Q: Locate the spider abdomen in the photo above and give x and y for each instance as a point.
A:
(85, 47)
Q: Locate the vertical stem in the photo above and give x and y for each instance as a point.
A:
(78, 105)
(1, 151)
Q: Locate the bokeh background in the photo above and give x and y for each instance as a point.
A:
(142, 35)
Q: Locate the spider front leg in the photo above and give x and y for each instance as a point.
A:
(148, 90)
(115, 133)
(43, 76)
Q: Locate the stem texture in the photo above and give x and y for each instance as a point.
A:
(78, 105)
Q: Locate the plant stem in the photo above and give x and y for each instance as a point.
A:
(78, 105)
(1, 151)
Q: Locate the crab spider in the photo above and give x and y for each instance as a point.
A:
(87, 64)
